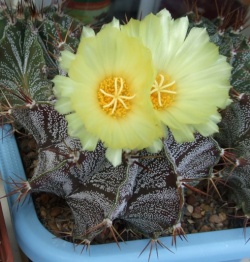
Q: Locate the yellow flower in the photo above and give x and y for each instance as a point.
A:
(107, 93)
(192, 79)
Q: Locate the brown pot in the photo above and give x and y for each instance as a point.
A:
(6, 254)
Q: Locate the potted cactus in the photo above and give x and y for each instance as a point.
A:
(125, 118)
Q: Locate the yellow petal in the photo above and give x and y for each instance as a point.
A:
(156, 146)
(63, 106)
(111, 54)
(183, 135)
(64, 86)
(200, 75)
(114, 156)
(65, 60)
(87, 32)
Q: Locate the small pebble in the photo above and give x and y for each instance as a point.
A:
(190, 221)
(205, 228)
(190, 209)
(56, 211)
(206, 207)
(196, 215)
(43, 212)
(219, 225)
(212, 225)
(191, 200)
(197, 210)
(222, 216)
(214, 219)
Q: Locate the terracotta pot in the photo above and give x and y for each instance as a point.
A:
(6, 254)
(88, 11)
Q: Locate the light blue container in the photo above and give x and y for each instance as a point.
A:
(41, 246)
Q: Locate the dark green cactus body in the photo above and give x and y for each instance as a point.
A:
(156, 201)
(235, 134)
(22, 64)
(234, 127)
(144, 191)
(29, 50)
(187, 165)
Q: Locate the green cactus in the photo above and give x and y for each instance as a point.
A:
(97, 192)
(234, 127)
(30, 48)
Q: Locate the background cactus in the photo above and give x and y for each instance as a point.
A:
(234, 127)
(133, 192)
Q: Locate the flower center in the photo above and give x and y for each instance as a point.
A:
(114, 97)
(163, 92)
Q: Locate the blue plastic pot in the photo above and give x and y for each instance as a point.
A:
(41, 246)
